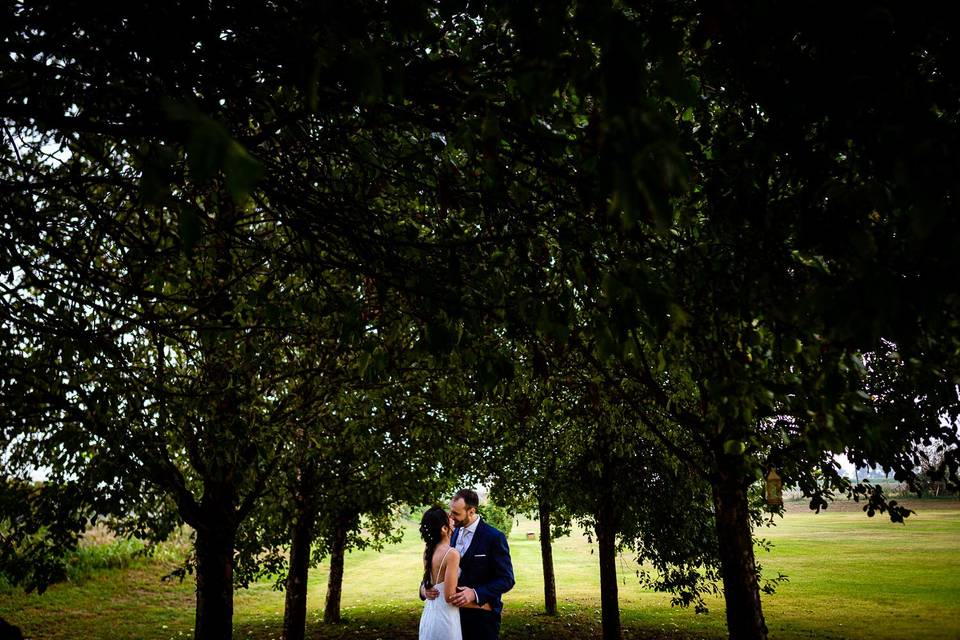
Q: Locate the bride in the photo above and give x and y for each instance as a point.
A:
(441, 570)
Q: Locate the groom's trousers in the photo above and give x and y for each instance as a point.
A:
(478, 624)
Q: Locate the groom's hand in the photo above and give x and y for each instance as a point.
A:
(463, 596)
(429, 594)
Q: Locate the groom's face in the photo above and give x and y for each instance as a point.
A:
(459, 512)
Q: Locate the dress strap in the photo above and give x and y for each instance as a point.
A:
(440, 568)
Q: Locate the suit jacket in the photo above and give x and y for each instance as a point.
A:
(486, 566)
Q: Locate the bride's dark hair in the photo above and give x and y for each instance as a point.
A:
(431, 530)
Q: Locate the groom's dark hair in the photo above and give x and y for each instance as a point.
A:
(469, 497)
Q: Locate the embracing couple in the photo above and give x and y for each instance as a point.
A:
(466, 568)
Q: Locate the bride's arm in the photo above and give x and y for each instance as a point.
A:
(450, 576)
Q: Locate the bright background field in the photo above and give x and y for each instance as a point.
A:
(850, 577)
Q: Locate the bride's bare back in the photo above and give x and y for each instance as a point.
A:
(444, 558)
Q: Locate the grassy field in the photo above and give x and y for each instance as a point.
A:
(850, 577)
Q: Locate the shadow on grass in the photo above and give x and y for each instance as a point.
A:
(402, 625)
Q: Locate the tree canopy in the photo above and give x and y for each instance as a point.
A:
(269, 270)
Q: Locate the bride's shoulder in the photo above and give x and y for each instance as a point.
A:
(445, 551)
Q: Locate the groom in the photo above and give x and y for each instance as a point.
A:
(486, 570)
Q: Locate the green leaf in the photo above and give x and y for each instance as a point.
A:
(206, 148)
(490, 129)
(242, 171)
(210, 148)
(190, 227)
(734, 447)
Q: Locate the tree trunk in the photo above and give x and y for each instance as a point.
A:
(546, 553)
(741, 588)
(295, 607)
(331, 612)
(214, 549)
(217, 528)
(609, 597)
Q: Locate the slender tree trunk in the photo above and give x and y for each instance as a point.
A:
(331, 612)
(216, 533)
(214, 549)
(741, 588)
(609, 597)
(546, 553)
(295, 607)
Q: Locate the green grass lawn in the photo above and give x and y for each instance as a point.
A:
(849, 577)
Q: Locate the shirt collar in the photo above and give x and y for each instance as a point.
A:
(472, 528)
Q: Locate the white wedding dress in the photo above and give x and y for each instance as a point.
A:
(440, 620)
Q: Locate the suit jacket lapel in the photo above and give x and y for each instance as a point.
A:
(472, 550)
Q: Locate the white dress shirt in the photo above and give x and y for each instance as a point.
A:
(465, 537)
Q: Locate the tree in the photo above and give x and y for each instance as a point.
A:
(750, 263)
(931, 478)
(392, 452)
(564, 447)
(530, 446)
(736, 310)
(149, 332)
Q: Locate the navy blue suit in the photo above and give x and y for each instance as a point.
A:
(486, 568)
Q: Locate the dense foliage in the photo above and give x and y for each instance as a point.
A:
(270, 270)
